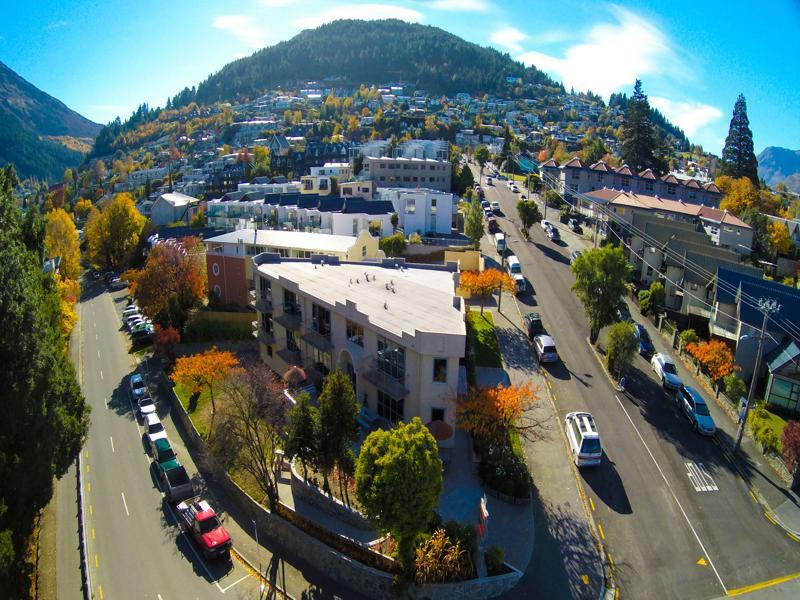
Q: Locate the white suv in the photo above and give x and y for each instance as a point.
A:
(584, 440)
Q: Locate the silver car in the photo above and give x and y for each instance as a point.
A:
(545, 348)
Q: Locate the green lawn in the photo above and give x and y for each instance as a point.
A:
(483, 340)
(199, 414)
(776, 423)
(515, 176)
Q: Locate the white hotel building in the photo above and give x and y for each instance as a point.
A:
(398, 331)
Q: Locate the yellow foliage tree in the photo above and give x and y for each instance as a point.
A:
(779, 237)
(113, 233)
(737, 194)
(82, 207)
(61, 239)
(68, 292)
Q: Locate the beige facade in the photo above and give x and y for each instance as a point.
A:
(409, 172)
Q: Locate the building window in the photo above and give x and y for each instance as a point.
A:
(600, 177)
(411, 206)
(649, 270)
(392, 359)
(355, 226)
(308, 185)
(390, 408)
(215, 269)
(291, 342)
(217, 291)
(363, 252)
(269, 351)
(576, 174)
(433, 206)
(355, 333)
(320, 360)
(382, 165)
(671, 188)
(323, 184)
(437, 414)
(406, 178)
(648, 185)
(290, 305)
(264, 288)
(440, 370)
(321, 321)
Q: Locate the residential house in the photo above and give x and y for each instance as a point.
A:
(357, 189)
(783, 384)
(172, 207)
(230, 268)
(408, 172)
(426, 211)
(396, 330)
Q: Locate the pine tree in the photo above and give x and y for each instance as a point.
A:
(738, 158)
(638, 135)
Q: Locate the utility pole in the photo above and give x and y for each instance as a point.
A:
(767, 306)
(503, 269)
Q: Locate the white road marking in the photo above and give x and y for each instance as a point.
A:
(112, 444)
(101, 373)
(106, 401)
(700, 477)
(98, 354)
(95, 337)
(674, 497)
(159, 597)
(225, 589)
(125, 504)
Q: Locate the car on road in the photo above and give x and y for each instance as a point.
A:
(515, 189)
(573, 256)
(553, 234)
(664, 367)
(696, 410)
(153, 429)
(546, 224)
(646, 347)
(163, 456)
(545, 348)
(495, 206)
(584, 439)
(201, 523)
(145, 406)
(533, 324)
(138, 389)
(489, 181)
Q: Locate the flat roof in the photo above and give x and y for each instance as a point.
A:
(322, 242)
(422, 299)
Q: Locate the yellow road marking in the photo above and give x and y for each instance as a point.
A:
(591, 503)
(96, 562)
(602, 534)
(86, 454)
(585, 579)
(793, 536)
(100, 589)
(88, 468)
(770, 518)
(610, 561)
(762, 585)
(88, 488)
(754, 496)
(92, 532)
(616, 593)
(702, 562)
(91, 512)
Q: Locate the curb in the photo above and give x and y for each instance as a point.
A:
(255, 572)
(609, 590)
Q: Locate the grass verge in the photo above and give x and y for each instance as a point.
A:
(200, 412)
(483, 340)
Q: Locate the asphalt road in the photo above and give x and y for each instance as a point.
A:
(135, 548)
(675, 516)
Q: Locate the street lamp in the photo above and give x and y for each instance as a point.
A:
(767, 306)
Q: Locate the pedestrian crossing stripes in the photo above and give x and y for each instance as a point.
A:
(700, 477)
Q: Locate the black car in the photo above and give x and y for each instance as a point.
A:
(533, 324)
(574, 225)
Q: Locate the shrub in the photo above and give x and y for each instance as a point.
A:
(734, 387)
(495, 561)
(439, 559)
(686, 337)
(503, 470)
(645, 302)
(714, 356)
(465, 534)
(790, 440)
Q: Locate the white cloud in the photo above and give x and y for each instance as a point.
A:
(461, 5)
(509, 38)
(366, 12)
(612, 56)
(690, 116)
(243, 27)
(276, 3)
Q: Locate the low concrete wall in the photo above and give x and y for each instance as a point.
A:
(328, 504)
(370, 582)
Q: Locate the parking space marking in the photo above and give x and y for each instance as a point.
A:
(225, 589)
(700, 477)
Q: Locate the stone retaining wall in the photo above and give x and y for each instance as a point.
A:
(328, 504)
(369, 582)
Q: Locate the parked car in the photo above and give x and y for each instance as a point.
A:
(584, 439)
(574, 225)
(153, 429)
(664, 367)
(492, 225)
(573, 256)
(515, 189)
(177, 484)
(489, 181)
(646, 347)
(545, 348)
(118, 284)
(546, 224)
(485, 204)
(533, 324)
(495, 207)
(696, 410)
(553, 234)
(138, 389)
(164, 456)
(624, 314)
(202, 525)
(145, 406)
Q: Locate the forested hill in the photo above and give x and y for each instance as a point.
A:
(369, 52)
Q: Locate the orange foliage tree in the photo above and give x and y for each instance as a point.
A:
(492, 412)
(164, 342)
(197, 372)
(484, 283)
(172, 281)
(714, 356)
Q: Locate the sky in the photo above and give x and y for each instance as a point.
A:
(104, 58)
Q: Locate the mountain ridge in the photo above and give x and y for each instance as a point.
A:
(780, 165)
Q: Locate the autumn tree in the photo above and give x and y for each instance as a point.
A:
(790, 442)
(738, 194)
(165, 339)
(780, 240)
(172, 281)
(600, 278)
(398, 483)
(203, 371)
(82, 207)
(491, 413)
(474, 225)
(483, 284)
(61, 239)
(714, 356)
(738, 157)
(255, 416)
(112, 234)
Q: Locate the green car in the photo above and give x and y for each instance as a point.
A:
(164, 456)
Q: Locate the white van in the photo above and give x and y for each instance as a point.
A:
(513, 266)
(500, 242)
(584, 440)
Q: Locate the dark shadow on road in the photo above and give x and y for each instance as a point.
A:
(91, 288)
(120, 401)
(564, 550)
(607, 485)
(552, 253)
(528, 300)
(558, 370)
(517, 354)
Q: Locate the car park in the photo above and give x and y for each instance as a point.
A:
(138, 389)
(573, 256)
(495, 207)
(533, 324)
(545, 348)
(583, 438)
(153, 429)
(664, 367)
(695, 408)
(646, 347)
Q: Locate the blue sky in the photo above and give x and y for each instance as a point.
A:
(694, 58)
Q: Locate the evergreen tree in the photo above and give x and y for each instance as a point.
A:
(738, 158)
(638, 135)
(473, 223)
